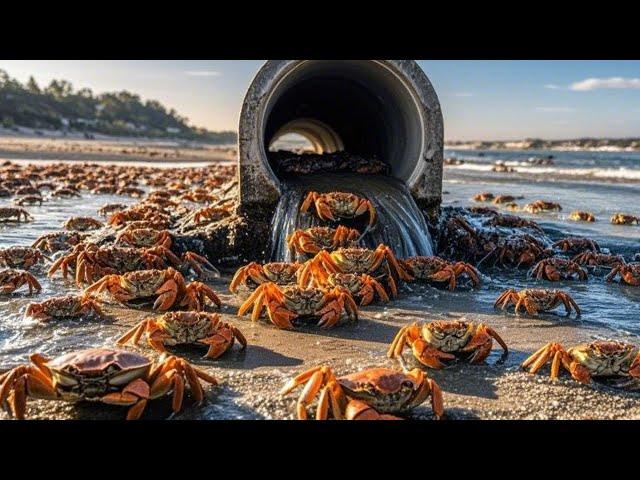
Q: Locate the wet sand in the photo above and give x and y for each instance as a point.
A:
(251, 379)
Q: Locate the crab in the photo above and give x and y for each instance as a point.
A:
(168, 286)
(111, 208)
(12, 279)
(131, 192)
(371, 394)
(335, 205)
(20, 257)
(254, 274)
(577, 245)
(483, 197)
(436, 269)
(314, 239)
(460, 240)
(11, 214)
(534, 300)
(541, 206)
(624, 219)
(186, 328)
(28, 200)
(519, 250)
(67, 306)
(362, 287)
(110, 376)
(65, 193)
(144, 237)
(446, 340)
(592, 259)
(501, 199)
(512, 221)
(82, 224)
(600, 358)
(354, 260)
(629, 273)
(210, 214)
(579, 216)
(286, 303)
(556, 269)
(56, 241)
(137, 213)
(27, 190)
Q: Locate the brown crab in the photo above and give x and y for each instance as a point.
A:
(12, 279)
(483, 197)
(600, 358)
(535, 300)
(372, 394)
(624, 219)
(445, 340)
(20, 257)
(186, 328)
(335, 205)
(577, 245)
(82, 224)
(67, 306)
(63, 192)
(11, 214)
(314, 239)
(167, 286)
(436, 269)
(592, 259)
(541, 206)
(519, 250)
(56, 241)
(512, 221)
(580, 216)
(28, 200)
(110, 376)
(362, 287)
(556, 269)
(111, 208)
(144, 237)
(286, 303)
(501, 199)
(629, 274)
(253, 274)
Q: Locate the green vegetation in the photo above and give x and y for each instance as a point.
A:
(59, 107)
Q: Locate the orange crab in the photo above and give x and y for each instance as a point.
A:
(372, 394)
(580, 216)
(534, 300)
(144, 237)
(629, 273)
(541, 206)
(68, 306)
(254, 274)
(436, 269)
(624, 219)
(335, 205)
(591, 259)
(114, 377)
(12, 279)
(284, 304)
(556, 269)
(577, 245)
(186, 328)
(363, 287)
(314, 239)
(168, 286)
(82, 224)
(445, 340)
(20, 257)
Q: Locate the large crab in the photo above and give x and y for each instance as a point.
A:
(56, 241)
(629, 273)
(519, 250)
(600, 358)
(372, 394)
(577, 245)
(186, 328)
(137, 213)
(284, 304)
(556, 269)
(167, 286)
(592, 259)
(11, 214)
(624, 219)
(253, 274)
(433, 342)
(354, 260)
(110, 376)
(20, 257)
(362, 287)
(436, 269)
(67, 306)
(12, 279)
(541, 206)
(336, 205)
(314, 239)
(580, 216)
(534, 300)
(144, 237)
(82, 224)
(209, 214)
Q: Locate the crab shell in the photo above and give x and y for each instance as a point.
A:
(90, 374)
(186, 327)
(605, 358)
(448, 336)
(384, 389)
(303, 301)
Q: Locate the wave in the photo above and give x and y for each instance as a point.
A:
(621, 173)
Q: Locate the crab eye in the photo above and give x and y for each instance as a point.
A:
(407, 384)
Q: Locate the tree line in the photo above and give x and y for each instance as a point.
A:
(58, 106)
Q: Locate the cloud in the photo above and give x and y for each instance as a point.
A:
(202, 73)
(463, 94)
(555, 109)
(611, 82)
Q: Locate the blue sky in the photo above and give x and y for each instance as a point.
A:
(488, 100)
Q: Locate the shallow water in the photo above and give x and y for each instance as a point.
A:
(400, 223)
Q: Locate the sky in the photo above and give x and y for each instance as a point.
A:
(481, 100)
